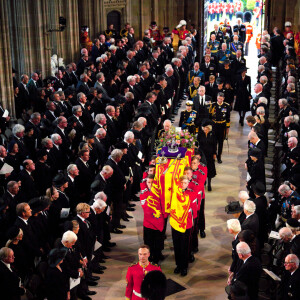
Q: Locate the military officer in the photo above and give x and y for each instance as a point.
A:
(214, 45)
(223, 54)
(235, 46)
(218, 33)
(241, 29)
(110, 32)
(188, 117)
(193, 88)
(137, 272)
(220, 114)
(195, 73)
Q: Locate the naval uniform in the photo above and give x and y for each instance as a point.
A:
(220, 115)
(187, 120)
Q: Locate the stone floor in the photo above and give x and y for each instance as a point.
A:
(207, 276)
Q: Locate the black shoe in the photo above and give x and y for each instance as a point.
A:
(116, 230)
(176, 270)
(135, 198)
(97, 271)
(131, 205)
(121, 226)
(91, 293)
(106, 249)
(128, 216)
(105, 257)
(109, 244)
(183, 272)
(219, 160)
(191, 258)
(86, 297)
(125, 219)
(202, 234)
(195, 250)
(91, 283)
(94, 278)
(102, 268)
(102, 261)
(209, 188)
(130, 209)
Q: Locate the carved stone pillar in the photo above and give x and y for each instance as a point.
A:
(6, 84)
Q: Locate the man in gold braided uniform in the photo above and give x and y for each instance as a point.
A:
(110, 32)
(193, 88)
(219, 113)
(188, 117)
(124, 31)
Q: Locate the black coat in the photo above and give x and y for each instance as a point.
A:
(9, 284)
(57, 284)
(292, 286)
(28, 189)
(208, 145)
(202, 110)
(252, 223)
(249, 274)
(243, 92)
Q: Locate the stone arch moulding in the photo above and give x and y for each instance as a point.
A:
(121, 16)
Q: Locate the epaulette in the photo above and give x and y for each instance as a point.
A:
(226, 103)
(202, 164)
(201, 172)
(134, 264)
(195, 183)
(156, 265)
(194, 110)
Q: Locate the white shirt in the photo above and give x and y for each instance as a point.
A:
(247, 258)
(72, 179)
(7, 265)
(25, 221)
(249, 215)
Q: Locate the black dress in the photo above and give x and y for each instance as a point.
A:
(243, 91)
(57, 284)
(208, 145)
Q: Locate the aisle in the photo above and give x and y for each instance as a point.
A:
(207, 275)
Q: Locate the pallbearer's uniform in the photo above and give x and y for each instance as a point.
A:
(134, 278)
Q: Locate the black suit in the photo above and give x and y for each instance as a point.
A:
(84, 179)
(202, 109)
(235, 258)
(292, 286)
(115, 191)
(9, 284)
(28, 190)
(112, 131)
(252, 223)
(249, 274)
(30, 241)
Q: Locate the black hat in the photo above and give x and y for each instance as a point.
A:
(255, 152)
(258, 188)
(13, 70)
(13, 232)
(219, 80)
(90, 136)
(121, 145)
(247, 16)
(153, 23)
(206, 122)
(243, 69)
(166, 28)
(59, 180)
(38, 204)
(154, 285)
(56, 255)
(233, 207)
(294, 223)
(295, 156)
(41, 153)
(99, 91)
(240, 15)
(295, 180)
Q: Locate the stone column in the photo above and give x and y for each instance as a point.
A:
(6, 84)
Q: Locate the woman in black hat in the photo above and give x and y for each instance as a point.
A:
(57, 280)
(13, 158)
(21, 265)
(207, 143)
(294, 157)
(242, 94)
